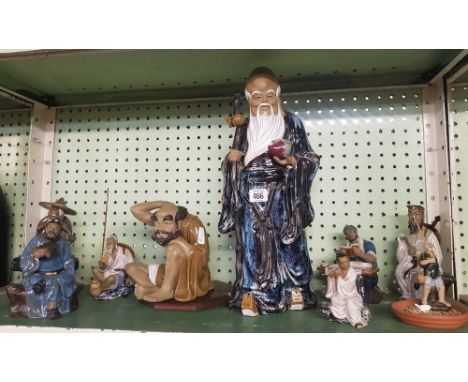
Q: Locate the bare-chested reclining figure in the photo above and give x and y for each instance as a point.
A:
(185, 275)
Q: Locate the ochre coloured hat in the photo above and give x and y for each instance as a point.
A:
(60, 204)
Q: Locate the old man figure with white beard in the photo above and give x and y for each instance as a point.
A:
(269, 172)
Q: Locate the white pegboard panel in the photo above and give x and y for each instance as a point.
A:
(14, 138)
(458, 107)
(438, 200)
(149, 152)
(40, 166)
(372, 166)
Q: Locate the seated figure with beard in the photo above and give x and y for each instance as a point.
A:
(410, 249)
(185, 275)
(268, 176)
(109, 275)
(48, 267)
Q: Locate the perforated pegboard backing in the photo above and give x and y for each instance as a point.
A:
(459, 109)
(372, 166)
(14, 138)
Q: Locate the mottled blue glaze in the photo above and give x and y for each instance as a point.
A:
(58, 288)
(272, 254)
(366, 283)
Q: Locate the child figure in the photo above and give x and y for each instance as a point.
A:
(346, 302)
(109, 274)
(432, 276)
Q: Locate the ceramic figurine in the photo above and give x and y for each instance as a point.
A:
(432, 275)
(56, 212)
(109, 276)
(268, 176)
(361, 250)
(48, 267)
(410, 249)
(347, 305)
(421, 280)
(185, 276)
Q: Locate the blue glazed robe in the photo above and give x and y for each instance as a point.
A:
(271, 253)
(367, 283)
(58, 287)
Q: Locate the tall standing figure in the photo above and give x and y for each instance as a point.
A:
(268, 176)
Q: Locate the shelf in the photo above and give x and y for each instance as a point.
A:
(73, 77)
(129, 314)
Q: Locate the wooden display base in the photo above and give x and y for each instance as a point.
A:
(17, 298)
(217, 297)
(399, 308)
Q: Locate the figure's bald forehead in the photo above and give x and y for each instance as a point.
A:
(167, 209)
(262, 84)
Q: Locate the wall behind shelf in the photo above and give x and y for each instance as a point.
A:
(372, 150)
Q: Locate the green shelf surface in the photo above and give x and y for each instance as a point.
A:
(131, 315)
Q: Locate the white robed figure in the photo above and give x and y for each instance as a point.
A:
(346, 302)
(109, 275)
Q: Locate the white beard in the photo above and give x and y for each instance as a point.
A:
(262, 130)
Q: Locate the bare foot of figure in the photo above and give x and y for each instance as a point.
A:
(140, 291)
(160, 295)
(95, 288)
(445, 303)
(152, 294)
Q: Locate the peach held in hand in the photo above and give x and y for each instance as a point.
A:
(280, 148)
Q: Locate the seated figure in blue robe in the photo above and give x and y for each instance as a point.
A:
(48, 270)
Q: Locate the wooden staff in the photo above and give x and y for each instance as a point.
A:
(105, 221)
(234, 171)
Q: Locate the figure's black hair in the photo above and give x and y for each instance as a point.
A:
(349, 227)
(181, 213)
